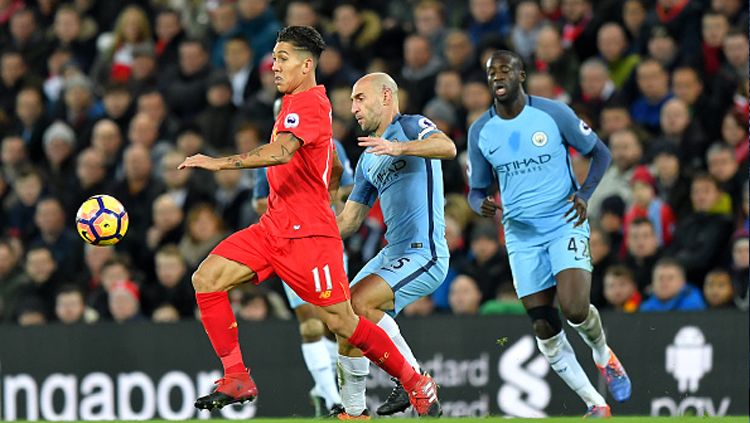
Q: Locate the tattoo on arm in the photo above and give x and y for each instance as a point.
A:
(239, 161)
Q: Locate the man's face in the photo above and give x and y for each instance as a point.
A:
(633, 14)
(573, 10)
(12, 68)
(8, 260)
(617, 289)
(593, 80)
(464, 296)
(223, 18)
(192, 58)
(741, 253)
(626, 151)
(69, 307)
(40, 265)
(703, 195)
(662, 48)
(169, 270)
(49, 217)
(599, 249)
(417, 52)
(22, 26)
(504, 77)
(674, 117)
(642, 241)
(236, 55)
(29, 106)
(290, 66)
(143, 131)
(611, 42)
(614, 119)
(483, 10)
(367, 105)
(686, 86)
(736, 50)
(448, 86)
(167, 26)
(427, 21)
(668, 282)
(167, 214)
(722, 166)
(116, 103)
(718, 289)
(715, 28)
(652, 81)
(137, 164)
(67, 26)
(457, 49)
(300, 14)
(152, 104)
(548, 47)
(106, 138)
(667, 166)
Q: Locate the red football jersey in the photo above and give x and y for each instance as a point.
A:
(298, 203)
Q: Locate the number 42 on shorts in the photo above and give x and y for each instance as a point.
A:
(584, 248)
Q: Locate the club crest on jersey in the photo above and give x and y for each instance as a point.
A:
(539, 139)
(291, 120)
(585, 129)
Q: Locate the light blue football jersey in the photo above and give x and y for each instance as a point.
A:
(528, 156)
(410, 190)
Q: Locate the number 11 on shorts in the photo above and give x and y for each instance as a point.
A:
(316, 278)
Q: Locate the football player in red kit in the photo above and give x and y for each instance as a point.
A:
(297, 238)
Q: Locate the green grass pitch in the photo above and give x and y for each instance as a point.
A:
(742, 419)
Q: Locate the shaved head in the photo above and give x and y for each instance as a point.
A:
(382, 80)
(374, 101)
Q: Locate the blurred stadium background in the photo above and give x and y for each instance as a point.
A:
(109, 96)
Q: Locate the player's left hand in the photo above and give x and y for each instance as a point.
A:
(381, 146)
(577, 210)
(200, 161)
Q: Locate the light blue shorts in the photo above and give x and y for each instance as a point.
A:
(411, 276)
(294, 299)
(534, 266)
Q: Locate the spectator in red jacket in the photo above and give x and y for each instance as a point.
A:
(647, 204)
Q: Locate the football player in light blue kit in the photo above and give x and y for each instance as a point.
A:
(522, 143)
(401, 167)
(319, 353)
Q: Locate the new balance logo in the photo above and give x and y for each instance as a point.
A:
(325, 294)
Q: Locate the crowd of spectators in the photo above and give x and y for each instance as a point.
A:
(110, 96)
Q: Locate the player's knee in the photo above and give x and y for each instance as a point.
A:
(545, 321)
(576, 313)
(201, 283)
(362, 307)
(205, 280)
(311, 329)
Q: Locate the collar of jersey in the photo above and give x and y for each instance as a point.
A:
(493, 113)
(395, 119)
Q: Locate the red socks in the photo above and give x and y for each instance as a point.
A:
(221, 327)
(378, 347)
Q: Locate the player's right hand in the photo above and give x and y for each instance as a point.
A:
(490, 207)
(200, 161)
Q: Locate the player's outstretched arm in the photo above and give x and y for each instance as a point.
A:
(351, 218)
(273, 154)
(436, 146)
